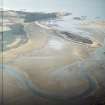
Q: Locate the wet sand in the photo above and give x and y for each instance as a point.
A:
(51, 73)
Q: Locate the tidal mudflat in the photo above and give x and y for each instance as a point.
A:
(46, 65)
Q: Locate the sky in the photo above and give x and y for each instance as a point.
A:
(77, 7)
